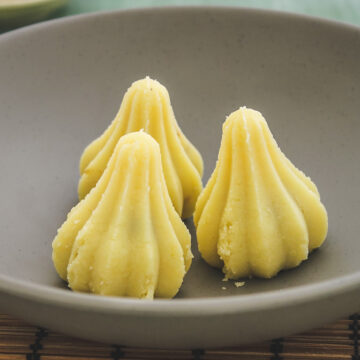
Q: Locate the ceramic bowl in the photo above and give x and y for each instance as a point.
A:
(61, 85)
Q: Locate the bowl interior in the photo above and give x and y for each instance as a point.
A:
(61, 86)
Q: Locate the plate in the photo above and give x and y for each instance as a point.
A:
(62, 83)
(15, 13)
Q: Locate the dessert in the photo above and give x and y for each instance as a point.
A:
(125, 237)
(146, 105)
(258, 213)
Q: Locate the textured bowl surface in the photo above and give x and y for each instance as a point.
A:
(61, 85)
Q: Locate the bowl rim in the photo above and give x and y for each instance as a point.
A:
(194, 307)
(222, 305)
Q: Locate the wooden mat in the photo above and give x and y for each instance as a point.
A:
(21, 341)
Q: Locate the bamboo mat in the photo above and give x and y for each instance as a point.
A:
(21, 341)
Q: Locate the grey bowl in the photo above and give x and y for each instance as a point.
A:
(61, 84)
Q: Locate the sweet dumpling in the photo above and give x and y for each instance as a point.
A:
(258, 213)
(125, 237)
(146, 105)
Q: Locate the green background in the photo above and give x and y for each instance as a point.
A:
(343, 10)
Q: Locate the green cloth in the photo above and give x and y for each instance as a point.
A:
(342, 10)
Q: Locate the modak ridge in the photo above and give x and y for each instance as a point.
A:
(258, 213)
(125, 237)
(146, 105)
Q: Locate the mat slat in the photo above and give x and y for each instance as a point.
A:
(13, 357)
(21, 341)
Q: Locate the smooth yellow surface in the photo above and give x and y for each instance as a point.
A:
(258, 214)
(125, 237)
(146, 105)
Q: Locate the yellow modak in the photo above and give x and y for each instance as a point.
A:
(125, 237)
(258, 213)
(146, 105)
